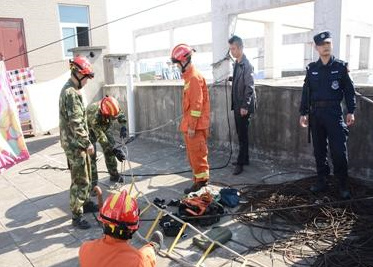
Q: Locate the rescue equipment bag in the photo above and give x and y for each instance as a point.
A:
(220, 234)
(229, 197)
(170, 226)
(201, 205)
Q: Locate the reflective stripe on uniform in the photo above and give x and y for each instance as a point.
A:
(186, 86)
(201, 175)
(195, 113)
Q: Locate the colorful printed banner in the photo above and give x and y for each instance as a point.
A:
(19, 79)
(12, 144)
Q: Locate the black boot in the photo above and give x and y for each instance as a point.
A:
(235, 163)
(238, 169)
(80, 223)
(320, 185)
(195, 187)
(90, 207)
(344, 192)
(117, 178)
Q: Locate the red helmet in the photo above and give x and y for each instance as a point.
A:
(109, 106)
(82, 65)
(120, 210)
(181, 53)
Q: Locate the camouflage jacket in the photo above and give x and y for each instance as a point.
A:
(73, 120)
(100, 126)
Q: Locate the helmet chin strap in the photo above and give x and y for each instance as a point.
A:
(79, 80)
(183, 67)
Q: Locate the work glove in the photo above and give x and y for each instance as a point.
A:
(119, 153)
(123, 132)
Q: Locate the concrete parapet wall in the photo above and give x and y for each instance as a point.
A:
(275, 133)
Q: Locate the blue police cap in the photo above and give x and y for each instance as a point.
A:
(322, 37)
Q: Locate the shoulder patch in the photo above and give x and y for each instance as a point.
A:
(310, 65)
(346, 65)
(343, 64)
(340, 62)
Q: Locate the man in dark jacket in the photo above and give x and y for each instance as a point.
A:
(243, 100)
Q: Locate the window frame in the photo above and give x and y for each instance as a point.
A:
(73, 25)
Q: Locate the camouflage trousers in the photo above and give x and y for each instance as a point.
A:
(110, 161)
(80, 168)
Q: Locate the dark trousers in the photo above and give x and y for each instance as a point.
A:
(242, 128)
(328, 128)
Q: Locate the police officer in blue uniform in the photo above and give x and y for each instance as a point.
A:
(326, 84)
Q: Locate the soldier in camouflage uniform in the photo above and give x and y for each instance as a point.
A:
(100, 116)
(75, 141)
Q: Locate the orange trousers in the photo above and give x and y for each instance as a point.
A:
(196, 149)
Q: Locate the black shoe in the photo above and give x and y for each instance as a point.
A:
(195, 187)
(344, 191)
(174, 203)
(234, 163)
(319, 186)
(238, 169)
(159, 203)
(156, 240)
(81, 223)
(345, 194)
(90, 207)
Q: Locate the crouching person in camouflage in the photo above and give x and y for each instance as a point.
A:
(100, 116)
(75, 141)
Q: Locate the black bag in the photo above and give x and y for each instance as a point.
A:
(213, 209)
(170, 226)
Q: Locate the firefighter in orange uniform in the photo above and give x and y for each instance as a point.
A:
(120, 218)
(196, 115)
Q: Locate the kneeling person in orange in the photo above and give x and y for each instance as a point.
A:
(196, 115)
(120, 218)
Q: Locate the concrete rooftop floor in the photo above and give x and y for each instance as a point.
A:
(35, 220)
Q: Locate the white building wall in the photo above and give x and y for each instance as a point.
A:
(41, 26)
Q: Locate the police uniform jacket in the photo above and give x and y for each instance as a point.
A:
(326, 86)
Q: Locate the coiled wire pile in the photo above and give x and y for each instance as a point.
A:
(320, 230)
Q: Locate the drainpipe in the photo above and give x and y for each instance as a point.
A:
(130, 98)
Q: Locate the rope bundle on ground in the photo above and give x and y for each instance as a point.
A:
(331, 234)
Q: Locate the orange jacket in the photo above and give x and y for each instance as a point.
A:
(196, 101)
(109, 251)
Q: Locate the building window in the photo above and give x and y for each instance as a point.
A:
(74, 21)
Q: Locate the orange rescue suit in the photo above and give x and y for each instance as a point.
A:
(196, 116)
(109, 251)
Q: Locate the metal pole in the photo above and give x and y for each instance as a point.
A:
(130, 98)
